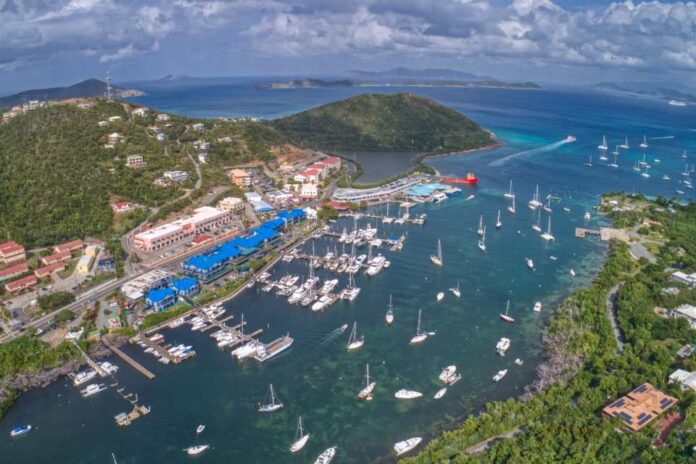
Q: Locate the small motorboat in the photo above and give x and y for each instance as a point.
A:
(327, 456)
(499, 376)
(439, 296)
(440, 393)
(537, 307)
(196, 450)
(18, 430)
(200, 429)
(404, 394)
(519, 362)
(407, 445)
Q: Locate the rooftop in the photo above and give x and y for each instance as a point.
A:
(640, 406)
(161, 294)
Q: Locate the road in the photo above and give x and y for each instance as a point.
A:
(611, 311)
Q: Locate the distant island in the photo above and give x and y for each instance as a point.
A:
(320, 83)
(86, 88)
(307, 83)
(673, 96)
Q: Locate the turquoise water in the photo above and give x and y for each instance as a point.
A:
(317, 378)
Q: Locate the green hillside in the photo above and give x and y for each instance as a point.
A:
(384, 123)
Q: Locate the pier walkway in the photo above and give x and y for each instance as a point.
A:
(135, 364)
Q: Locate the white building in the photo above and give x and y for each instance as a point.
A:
(685, 379)
(114, 118)
(231, 204)
(135, 162)
(685, 311)
(142, 112)
(176, 176)
(103, 123)
(161, 137)
(203, 219)
(252, 196)
(138, 287)
(200, 127)
(375, 194)
(163, 117)
(309, 190)
(688, 279)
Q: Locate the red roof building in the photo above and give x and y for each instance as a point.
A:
(46, 271)
(201, 239)
(71, 246)
(338, 206)
(24, 283)
(56, 258)
(121, 207)
(13, 271)
(311, 175)
(12, 252)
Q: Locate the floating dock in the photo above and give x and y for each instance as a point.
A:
(135, 364)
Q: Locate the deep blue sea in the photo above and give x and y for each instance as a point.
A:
(317, 378)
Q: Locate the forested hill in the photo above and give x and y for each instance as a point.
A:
(384, 123)
(86, 88)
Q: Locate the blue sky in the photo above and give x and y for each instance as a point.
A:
(57, 42)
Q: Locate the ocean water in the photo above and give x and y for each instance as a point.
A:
(317, 378)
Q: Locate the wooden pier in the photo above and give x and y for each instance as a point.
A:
(135, 364)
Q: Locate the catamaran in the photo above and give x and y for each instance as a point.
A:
(510, 194)
(547, 235)
(644, 143)
(498, 223)
(437, 260)
(420, 335)
(449, 375)
(407, 445)
(505, 317)
(326, 456)
(353, 341)
(482, 240)
(625, 144)
(534, 203)
(351, 292)
(274, 403)
(511, 208)
(455, 291)
(389, 317)
(537, 225)
(301, 437)
(603, 145)
(368, 386)
(480, 227)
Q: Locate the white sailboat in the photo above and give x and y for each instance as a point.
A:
(505, 317)
(368, 386)
(603, 145)
(644, 143)
(616, 151)
(455, 291)
(482, 240)
(547, 206)
(510, 194)
(301, 437)
(389, 317)
(645, 172)
(537, 225)
(480, 227)
(534, 203)
(614, 164)
(511, 208)
(273, 404)
(625, 144)
(589, 162)
(498, 223)
(547, 235)
(437, 260)
(420, 335)
(353, 341)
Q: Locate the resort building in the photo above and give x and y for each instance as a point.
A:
(640, 407)
(135, 162)
(73, 245)
(19, 285)
(56, 258)
(240, 178)
(375, 194)
(232, 204)
(46, 271)
(13, 271)
(160, 299)
(176, 176)
(685, 379)
(186, 286)
(681, 277)
(309, 175)
(12, 252)
(685, 311)
(203, 219)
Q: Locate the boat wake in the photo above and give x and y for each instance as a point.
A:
(333, 335)
(528, 153)
(661, 138)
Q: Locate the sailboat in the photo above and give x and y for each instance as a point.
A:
(644, 143)
(368, 386)
(482, 240)
(510, 194)
(505, 317)
(547, 206)
(437, 260)
(537, 225)
(511, 208)
(351, 292)
(616, 151)
(614, 164)
(684, 155)
(274, 403)
(645, 172)
(420, 335)
(589, 162)
(353, 341)
(498, 223)
(389, 317)
(604, 145)
(625, 144)
(480, 227)
(455, 291)
(301, 437)
(534, 203)
(547, 235)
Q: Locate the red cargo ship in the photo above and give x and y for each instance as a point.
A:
(470, 179)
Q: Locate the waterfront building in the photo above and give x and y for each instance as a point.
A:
(240, 178)
(19, 285)
(160, 299)
(73, 245)
(136, 288)
(12, 252)
(13, 271)
(232, 204)
(203, 219)
(376, 194)
(685, 311)
(639, 407)
(176, 176)
(135, 162)
(46, 271)
(185, 286)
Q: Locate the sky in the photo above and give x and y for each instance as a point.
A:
(46, 43)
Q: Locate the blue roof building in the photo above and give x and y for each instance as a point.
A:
(186, 286)
(160, 299)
